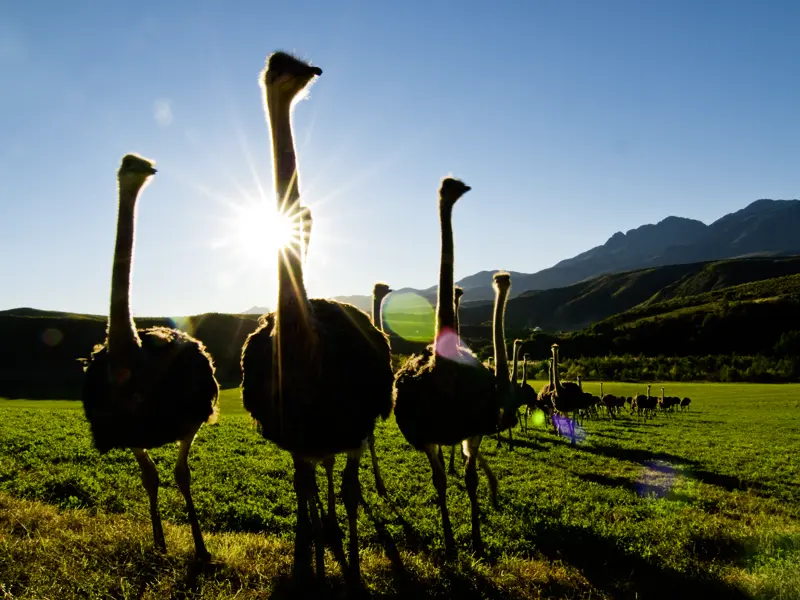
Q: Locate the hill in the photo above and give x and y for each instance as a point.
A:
(757, 318)
(763, 228)
(579, 305)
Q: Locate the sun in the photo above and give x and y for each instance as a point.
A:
(255, 231)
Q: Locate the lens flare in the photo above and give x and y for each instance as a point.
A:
(409, 316)
(656, 479)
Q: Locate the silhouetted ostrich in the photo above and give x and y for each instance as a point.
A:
(566, 397)
(685, 404)
(506, 386)
(445, 395)
(143, 389)
(526, 396)
(458, 291)
(379, 291)
(297, 367)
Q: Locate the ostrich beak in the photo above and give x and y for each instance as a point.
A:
(315, 71)
(467, 188)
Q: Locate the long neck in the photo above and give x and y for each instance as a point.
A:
(291, 289)
(524, 371)
(601, 389)
(515, 363)
(121, 331)
(556, 380)
(457, 324)
(500, 356)
(552, 379)
(445, 303)
(377, 318)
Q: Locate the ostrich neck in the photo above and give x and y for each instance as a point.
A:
(556, 378)
(445, 305)
(525, 371)
(377, 317)
(456, 323)
(122, 334)
(292, 296)
(500, 356)
(515, 363)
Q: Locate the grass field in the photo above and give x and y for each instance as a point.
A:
(705, 504)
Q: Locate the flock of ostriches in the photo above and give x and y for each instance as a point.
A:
(146, 388)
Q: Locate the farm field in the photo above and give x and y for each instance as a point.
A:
(705, 504)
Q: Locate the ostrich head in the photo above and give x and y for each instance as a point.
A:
(381, 290)
(134, 171)
(459, 291)
(501, 280)
(451, 190)
(287, 76)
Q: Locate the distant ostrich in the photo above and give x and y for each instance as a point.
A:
(685, 404)
(458, 291)
(526, 396)
(144, 389)
(379, 291)
(567, 398)
(506, 385)
(445, 395)
(297, 367)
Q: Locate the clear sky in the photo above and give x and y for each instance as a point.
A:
(571, 120)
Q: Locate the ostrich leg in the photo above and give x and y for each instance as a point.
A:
(440, 483)
(471, 481)
(351, 495)
(150, 483)
(379, 485)
(330, 518)
(183, 479)
(303, 487)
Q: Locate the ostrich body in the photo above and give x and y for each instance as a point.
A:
(445, 396)
(297, 367)
(685, 404)
(144, 389)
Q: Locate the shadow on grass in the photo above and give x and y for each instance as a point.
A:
(643, 489)
(687, 467)
(621, 574)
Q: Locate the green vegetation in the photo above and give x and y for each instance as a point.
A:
(672, 508)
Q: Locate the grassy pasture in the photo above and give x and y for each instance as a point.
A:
(705, 504)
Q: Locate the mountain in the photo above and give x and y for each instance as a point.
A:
(763, 228)
(581, 304)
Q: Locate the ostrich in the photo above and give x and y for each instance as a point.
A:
(379, 291)
(566, 397)
(147, 388)
(506, 386)
(444, 395)
(458, 291)
(297, 367)
(526, 396)
(685, 404)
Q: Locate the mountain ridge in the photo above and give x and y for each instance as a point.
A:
(765, 227)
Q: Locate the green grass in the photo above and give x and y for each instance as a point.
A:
(705, 504)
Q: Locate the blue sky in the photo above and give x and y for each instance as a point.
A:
(571, 121)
